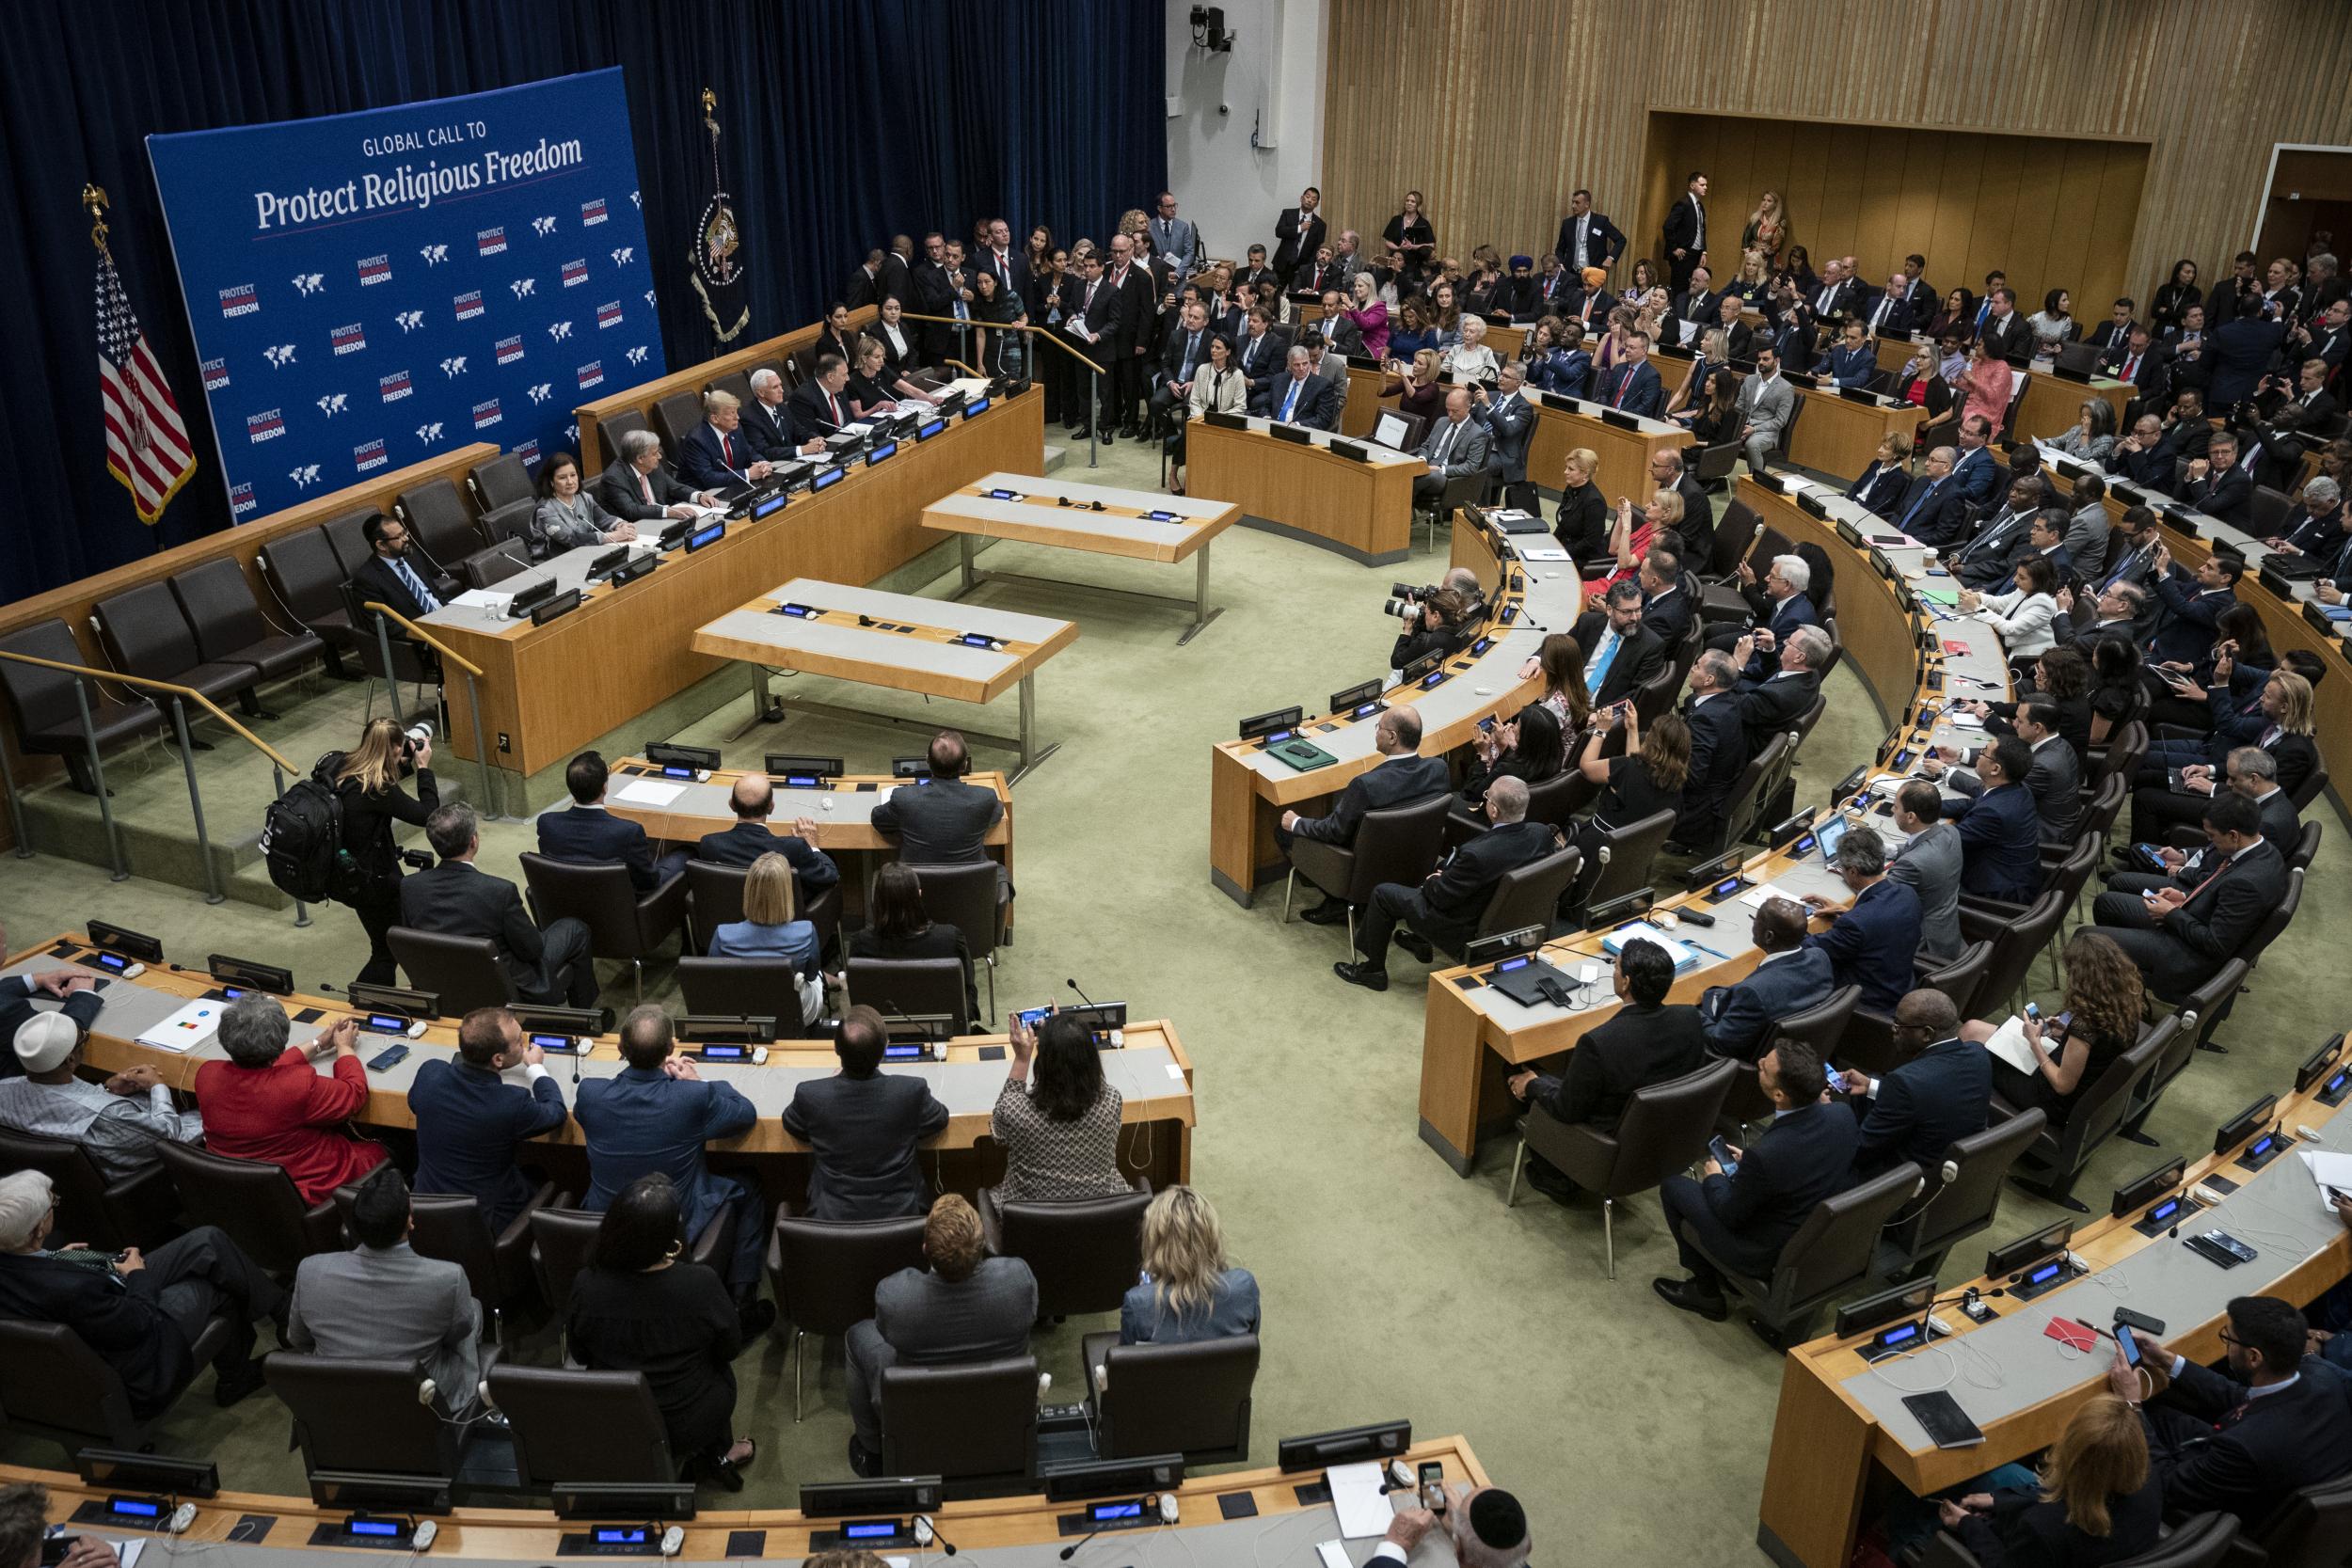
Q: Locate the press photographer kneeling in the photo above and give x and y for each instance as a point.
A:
(1438, 620)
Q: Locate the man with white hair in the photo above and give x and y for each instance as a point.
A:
(141, 1314)
(638, 489)
(1485, 1526)
(1299, 396)
(1781, 604)
(1772, 705)
(1448, 903)
(117, 1124)
(765, 425)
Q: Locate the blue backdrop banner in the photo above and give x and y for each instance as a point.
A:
(368, 290)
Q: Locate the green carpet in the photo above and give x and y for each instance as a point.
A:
(1391, 1287)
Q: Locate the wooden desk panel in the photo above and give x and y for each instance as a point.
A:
(1364, 510)
(1364, 402)
(548, 691)
(1840, 437)
(2052, 408)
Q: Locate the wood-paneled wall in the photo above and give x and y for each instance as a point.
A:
(1497, 109)
(2053, 212)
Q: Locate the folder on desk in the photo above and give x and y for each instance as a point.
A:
(186, 1029)
(1684, 959)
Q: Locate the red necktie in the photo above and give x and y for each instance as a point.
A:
(1625, 379)
(2131, 367)
(726, 448)
(2210, 876)
(834, 404)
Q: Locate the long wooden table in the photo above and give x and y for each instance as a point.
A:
(1474, 1037)
(1135, 524)
(1152, 1072)
(1364, 510)
(1275, 1527)
(548, 691)
(1842, 1442)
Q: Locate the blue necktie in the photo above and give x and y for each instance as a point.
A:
(1192, 347)
(414, 585)
(1920, 505)
(1290, 398)
(1597, 668)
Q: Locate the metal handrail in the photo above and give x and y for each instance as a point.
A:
(1094, 397)
(384, 612)
(425, 636)
(180, 696)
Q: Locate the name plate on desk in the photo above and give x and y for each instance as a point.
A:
(1294, 434)
(554, 608)
(1619, 419)
(1224, 421)
(2126, 494)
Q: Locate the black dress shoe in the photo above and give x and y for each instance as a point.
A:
(229, 1388)
(1548, 1179)
(1104, 437)
(1416, 944)
(862, 1463)
(757, 1317)
(1331, 911)
(1684, 1294)
(1364, 974)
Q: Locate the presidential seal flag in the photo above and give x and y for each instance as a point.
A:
(716, 254)
(146, 445)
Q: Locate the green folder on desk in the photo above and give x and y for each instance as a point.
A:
(1301, 754)
(1939, 595)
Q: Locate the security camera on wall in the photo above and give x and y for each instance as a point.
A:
(1208, 31)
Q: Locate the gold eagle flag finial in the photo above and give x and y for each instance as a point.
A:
(94, 202)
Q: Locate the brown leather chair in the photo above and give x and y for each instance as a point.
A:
(60, 1388)
(1735, 531)
(1395, 844)
(910, 986)
(2306, 849)
(2015, 944)
(2310, 790)
(254, 1202)
(1869, 1042)
(1085, 1251)
(1665, 1127)
(966, 896)
(1960, 1204)
(561, 1240)
(435, 513)
(622, 924)
(974, 1426)
(739, 383)
(134, 1211)
(610, 429)
(575, 1426)
(462, 973)
(1746, 799)
(826, 1272)
(366, 1414)
(2120, 758)
(145, 634)
(746, 988)
(1621, 864)
(1981, 918)
(411, 661)
(1826, 1259)
(2202, 1542)
(1823, 1026)
(714, 898)
(347, 537)
(2200, 1013)
(48, 720)
(490, 568)
(302, 571)
(229, 626)
(1191, 1398)
(510, 524)
(674, 418)
(2274, 924)
(2054, 1161)
(1528, 896)
(500, 481)
(2313, 1530)
(452, 1228)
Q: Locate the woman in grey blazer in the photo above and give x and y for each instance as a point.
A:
(568, 517)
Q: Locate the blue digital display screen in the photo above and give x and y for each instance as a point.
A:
(2342, 1075)
(1509, 964)
(798, 611)
(1435, 677)
(882, 454)
(1803, 845)
(1366, 710)
(2263, 1144)
(825, 481)
(2046, 1273)
(235, 993)
(903, 1052)
(373, 1526)
(1482, 644)
(772, 505)
(1279, 736)
(115, 961)
(976, 408)
(930, 428)
(676, 770)
(2165, 1211)
(870, 1529)
(1102, 1511)
(620, 1535)
(387, 1024)
(552, 1043)
(1001, 495)
(1162, 517)
(714, 1053)
(134, 1508)
(701, 537)
(1731, 886)
(803, 781)
(1510, 613)
(974, 640)
(1899, 1336)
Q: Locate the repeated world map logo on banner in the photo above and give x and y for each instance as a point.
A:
(370, 290)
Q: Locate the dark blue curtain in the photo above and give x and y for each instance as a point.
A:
(845, 121)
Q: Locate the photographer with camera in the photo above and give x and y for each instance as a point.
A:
(367, 782)
(1437, 619)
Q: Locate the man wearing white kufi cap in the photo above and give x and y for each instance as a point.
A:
(118, 1123)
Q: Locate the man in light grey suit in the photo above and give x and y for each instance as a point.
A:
(944, 821)
(382, 1302)
(1457, 445)
(1766, 401)
(969, 1307)
(1175, 237)
(1929, 864)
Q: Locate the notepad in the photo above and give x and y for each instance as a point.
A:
(191, 1026)
(1356, 1497)
(1542, 552)
(2009, 1044)
(1615, 943)
(644, 792)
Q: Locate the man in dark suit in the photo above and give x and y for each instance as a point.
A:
(1091, 328)
(1738, 337)
(1789, 978)
(1837, 296)
(1695, 306)
(553, 966)
(1852, 362)
(715, 455)
(2218, 485)
(1889, 315)
(898, 276)
(391, 577)
(2245, 1441)
(1719, 753)
(965, 1305)
(655, 1115)
(1939, 1092)
(1986, 561)
(1697, 529)
(2144, 456)
(2248, 770)
(470, 1121)
(2178, 936)
(141, 1314)
(1772, 705)
(2053, 777)
(586, 834)
(1622, 655)
(1401, 776)
(1918, 289)
(864, 1127)
(1933, 509)
(1976, 472)
(2114, 332)
(1684, 235)
(2192, 606)
(1742, 1217)
(2243, 350)
(640, 490)
(820, 405)
(942, 820)
(753, 801)
(76, 989)
(1009, 267)
(1299, 396)
(2316, 524)
(1261, 353)
(935, 296)
(1298, 233)
(865, 284)
(2005, 334)
(766, 423)
(1509, 422)
(1631, 384)
(1588, 239)
(1872, 943)
(2000, 831)
(1781, 604)
(1137, 298)
(1669, 594)
(1447, 905)
(2132, 358)
(1644, 1043)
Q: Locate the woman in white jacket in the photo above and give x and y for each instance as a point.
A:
(1218, 387)
(2022, 617)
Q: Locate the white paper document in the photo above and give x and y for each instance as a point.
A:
(644, 792)
(1542, 552)
(2328, 1170)
(1356, 1497)
(191, 1026)
(483, 598)
(2009, 1044)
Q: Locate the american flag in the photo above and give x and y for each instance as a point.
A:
(147, 446)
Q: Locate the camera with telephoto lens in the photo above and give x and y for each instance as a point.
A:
(416, 738)
(1404, 600)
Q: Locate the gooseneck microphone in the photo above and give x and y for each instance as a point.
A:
(1082, 996)
(1071, 1550)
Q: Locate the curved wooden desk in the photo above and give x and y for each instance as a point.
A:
(1306, 490)
(1153, 1074)
(1278, 1530)
(1473, 1038)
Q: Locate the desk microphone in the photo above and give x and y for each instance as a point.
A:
(927, 1532)
(1082, 996)
(922, 1031)
(1071, 1550)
